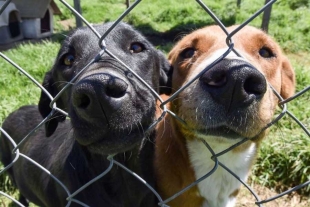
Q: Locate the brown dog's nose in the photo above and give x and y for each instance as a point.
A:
(98, 94)
(234, 83)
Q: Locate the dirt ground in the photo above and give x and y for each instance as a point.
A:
(246, 199)
(67, 24)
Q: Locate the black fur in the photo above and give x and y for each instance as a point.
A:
(109, 111)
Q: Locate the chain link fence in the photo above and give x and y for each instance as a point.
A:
(103, 45)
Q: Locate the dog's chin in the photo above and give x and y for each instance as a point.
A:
(107, 141)
(225, 132)
(222, 131)
(104, 147)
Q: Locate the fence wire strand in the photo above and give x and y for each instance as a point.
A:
(104, 50)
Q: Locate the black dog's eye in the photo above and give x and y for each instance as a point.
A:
(136, 47)
(68, 59)
(188, 53)
(266, 52)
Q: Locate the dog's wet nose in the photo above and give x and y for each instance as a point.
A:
(97, 94)
(116, 88)
(234, 83)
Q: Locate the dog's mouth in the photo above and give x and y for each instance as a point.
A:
(116, 133)
(119, 141)
(213, 120)
(105, 140)
(222, 131)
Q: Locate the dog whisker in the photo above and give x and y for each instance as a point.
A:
(62, 83)
(64, 35)
(143, 132)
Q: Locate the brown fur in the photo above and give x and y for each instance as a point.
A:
(172, 165)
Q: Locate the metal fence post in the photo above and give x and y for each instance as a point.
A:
(266, 17)
(77, 7)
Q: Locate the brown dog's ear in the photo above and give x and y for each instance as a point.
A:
(44, 108)
(165, 75)
(287, 79)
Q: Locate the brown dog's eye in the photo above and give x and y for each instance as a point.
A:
(266, 52)
(188, 53)
(68, 59)
(136, 47)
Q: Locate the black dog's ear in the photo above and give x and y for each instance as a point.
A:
(165, 75)
(44, 108)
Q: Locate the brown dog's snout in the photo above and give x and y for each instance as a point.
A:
(234, 83)
(98, 92)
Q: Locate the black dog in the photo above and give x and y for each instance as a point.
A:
(109, 110)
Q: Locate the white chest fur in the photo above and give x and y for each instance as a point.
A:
(218, 187)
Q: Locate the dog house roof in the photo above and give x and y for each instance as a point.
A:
(35, 8)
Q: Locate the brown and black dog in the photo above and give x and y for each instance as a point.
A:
(229, 102)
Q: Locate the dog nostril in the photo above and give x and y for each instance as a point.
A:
(255, 85)
(83, 101)
(116, 88)
(217, 81)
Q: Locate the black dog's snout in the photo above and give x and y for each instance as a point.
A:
(116, 88)
(98, 92)
(234, 83)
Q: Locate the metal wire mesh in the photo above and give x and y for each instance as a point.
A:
(102, 44)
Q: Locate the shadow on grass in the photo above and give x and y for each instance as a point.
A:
(164, 40)
(56, 37)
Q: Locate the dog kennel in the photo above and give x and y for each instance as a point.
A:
(37, 17)
(38, 27)
(10, 24)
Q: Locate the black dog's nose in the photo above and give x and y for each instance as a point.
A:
(234, 83)
(97, 93)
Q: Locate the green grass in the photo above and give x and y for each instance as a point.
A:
(289, 20)
(283, 160)
(16, 89)
(94, 11)
(289, 26)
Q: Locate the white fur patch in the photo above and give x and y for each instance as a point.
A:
(212, 58)
(217, 187)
